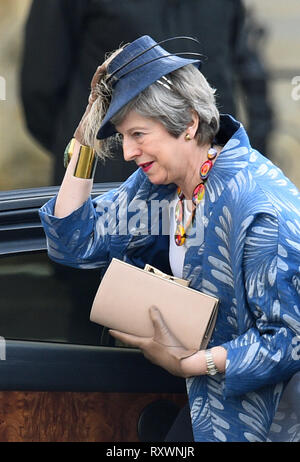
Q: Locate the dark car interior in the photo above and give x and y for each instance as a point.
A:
(62, 377)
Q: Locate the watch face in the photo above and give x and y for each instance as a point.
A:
(212, 371)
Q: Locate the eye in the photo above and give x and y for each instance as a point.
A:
(137, 135)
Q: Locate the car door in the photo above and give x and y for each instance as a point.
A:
(63, 378)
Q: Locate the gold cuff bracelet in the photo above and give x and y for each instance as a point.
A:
(86, 163)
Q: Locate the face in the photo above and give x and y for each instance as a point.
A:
(148, 143)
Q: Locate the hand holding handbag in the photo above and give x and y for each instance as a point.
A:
(126, 293)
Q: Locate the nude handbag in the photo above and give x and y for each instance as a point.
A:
(126, 293)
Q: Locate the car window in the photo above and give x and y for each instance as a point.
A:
(44, 301)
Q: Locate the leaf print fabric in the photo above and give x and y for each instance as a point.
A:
(249, 259)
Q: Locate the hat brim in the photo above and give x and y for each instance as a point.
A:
(132, 85)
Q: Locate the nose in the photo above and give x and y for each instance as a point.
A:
(130, 149)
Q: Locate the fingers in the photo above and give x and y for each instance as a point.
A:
(100, 70)
(162, 332)
(129, 339)
(95, 80)
(159, 324)
(155, 314)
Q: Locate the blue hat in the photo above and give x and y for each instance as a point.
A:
(137, 66)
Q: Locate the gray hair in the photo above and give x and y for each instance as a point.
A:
(171, 101)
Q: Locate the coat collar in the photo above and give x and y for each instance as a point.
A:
(233, 157)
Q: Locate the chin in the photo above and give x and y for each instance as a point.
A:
(154, 181)
(159, 180)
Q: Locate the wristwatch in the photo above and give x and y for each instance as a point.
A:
(210, 365)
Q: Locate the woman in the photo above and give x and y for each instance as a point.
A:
(233, 232)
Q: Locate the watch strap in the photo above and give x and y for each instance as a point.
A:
(211, 368)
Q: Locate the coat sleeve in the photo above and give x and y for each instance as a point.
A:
(75, 240)
(269, 352)
(89, 236)
(83, 238)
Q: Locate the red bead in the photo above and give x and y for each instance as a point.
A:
(205, 169)
(198, 194)
(180, 235)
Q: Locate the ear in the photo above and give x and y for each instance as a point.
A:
(193, 125)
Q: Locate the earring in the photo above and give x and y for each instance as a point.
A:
(187, 137)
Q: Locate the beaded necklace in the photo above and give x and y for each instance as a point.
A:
(198, 194)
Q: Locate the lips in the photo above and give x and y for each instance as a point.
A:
(146, 166)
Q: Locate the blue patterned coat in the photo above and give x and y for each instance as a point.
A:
(249, 259)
